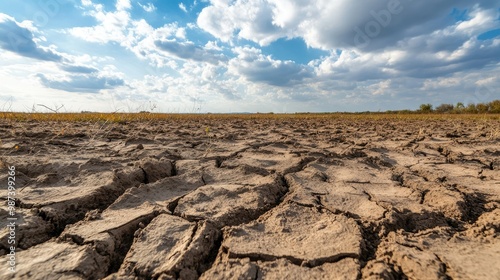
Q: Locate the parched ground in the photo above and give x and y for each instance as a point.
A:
(277, 198)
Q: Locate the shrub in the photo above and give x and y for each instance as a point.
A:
(482, 108)
(444, 108)
(425, 108)
(494, 106)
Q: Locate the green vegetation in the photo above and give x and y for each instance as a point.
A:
(481, 108)
(426, 108)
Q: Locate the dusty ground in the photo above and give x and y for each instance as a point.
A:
(254, 199)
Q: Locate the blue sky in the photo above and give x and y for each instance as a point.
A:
(247, 56)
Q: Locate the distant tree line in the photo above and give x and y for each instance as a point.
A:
(492, 107)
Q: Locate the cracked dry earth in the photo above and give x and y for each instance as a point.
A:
(255, 199)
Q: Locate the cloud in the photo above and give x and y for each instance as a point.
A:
(112, 26)
(92, 83)
(188, 50)
(443, 52)
(367, 26)
(122, 5)
(18, 38)
(149, 7)
(78, 69)
(336, 24)
(86, 2)
(159, 45)
(251, 20)
(183, 7)
(256, 67)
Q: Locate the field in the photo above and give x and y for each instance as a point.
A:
(257, 196)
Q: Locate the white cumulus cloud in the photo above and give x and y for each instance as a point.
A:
(183, 7)
(149, 7)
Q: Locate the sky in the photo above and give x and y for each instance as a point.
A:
(227, 56)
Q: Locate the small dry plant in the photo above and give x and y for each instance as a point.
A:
(494, 134)
(99, 129)
(421, 133)
(210, 141)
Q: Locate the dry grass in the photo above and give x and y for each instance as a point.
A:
(141, 117)
(494, 134)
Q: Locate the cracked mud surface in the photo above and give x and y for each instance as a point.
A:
(255, 199)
